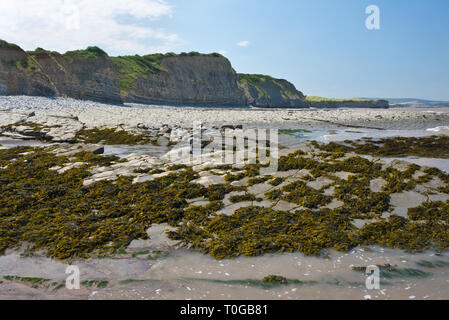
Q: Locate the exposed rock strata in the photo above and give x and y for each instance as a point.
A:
(186, 79)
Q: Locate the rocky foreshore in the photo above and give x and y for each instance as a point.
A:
(19, 108)
(117, 192)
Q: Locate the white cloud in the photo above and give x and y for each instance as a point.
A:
(244, 43)
(64, 25)
(222, 52)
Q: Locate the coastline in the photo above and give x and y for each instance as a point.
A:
(98, 114)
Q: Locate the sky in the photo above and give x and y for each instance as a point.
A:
(322, 46)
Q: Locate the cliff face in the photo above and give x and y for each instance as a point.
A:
(81, 76)
(198, 80)
(268, 92)
(185, 79)
(20, 74)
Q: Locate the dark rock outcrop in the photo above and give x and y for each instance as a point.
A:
(379, 104)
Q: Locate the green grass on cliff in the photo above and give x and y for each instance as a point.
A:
(6, 44)
(90, 52)
(40, 50)
(256, 80)
(28, 64)
(131, 68)
(323, 99)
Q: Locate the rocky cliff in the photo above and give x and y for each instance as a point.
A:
(85, 74)
(166, 79)
(265, 91)
(20, 74)
(179, 79)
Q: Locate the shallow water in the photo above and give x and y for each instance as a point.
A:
(421, 275)
(11, 143)
(186, 274)
(357, 133)
(442, 164)
(124, 150)
(326, 136)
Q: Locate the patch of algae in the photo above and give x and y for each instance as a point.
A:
(428, 147)
(57, 213)
(254, 231)
(112, 136)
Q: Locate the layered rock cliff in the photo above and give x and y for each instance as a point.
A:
(87, 74)
(166, 79)
(179, 79)
(20, 74)
(184, 79)
(265, 91)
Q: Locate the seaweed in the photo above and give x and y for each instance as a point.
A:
(429, 147)
(275, 279)
(299, 193)
(242, 198)
(258, 180)
(253, 231)
(276, 181)
(256, 282)
(112, 136)
(95, 283)
(55, 212)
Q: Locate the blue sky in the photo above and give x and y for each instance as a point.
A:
(322, 46)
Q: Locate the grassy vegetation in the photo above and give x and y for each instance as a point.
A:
(257, 81)
(27, 64)
(323, 99)
(6, 44)
(39, 50)
(90, 53)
